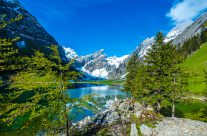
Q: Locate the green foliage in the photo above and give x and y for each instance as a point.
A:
(191, 45)
(4, 23)
(8, 60)
(158, 78)
(131, 74)
(35, 98)
(165, 77)
(203, 36)
(38, 92)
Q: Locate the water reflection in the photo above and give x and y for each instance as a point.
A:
(101, 91)
(105, 95)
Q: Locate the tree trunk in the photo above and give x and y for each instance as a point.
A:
(173, 104)
(173, 109)
(158, 107)
(67, 121)
(67, 127)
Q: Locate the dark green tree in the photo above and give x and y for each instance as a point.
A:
(139, 81)
(131, 71)
(162, 73)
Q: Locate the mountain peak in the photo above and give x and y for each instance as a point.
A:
(70, 53)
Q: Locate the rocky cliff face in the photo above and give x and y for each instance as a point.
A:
(32, 34)
(194, 29)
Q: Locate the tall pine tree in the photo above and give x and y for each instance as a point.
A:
(163, 74)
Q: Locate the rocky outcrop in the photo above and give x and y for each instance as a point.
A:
(128, 117)
(115, 119)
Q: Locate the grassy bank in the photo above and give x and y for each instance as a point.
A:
(190, 106)
(195, 64)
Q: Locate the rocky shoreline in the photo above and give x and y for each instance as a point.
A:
(128, 117)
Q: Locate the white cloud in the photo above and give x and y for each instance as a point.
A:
(186, 10)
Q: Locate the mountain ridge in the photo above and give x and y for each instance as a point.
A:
(174, 35)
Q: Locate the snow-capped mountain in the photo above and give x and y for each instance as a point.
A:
(141, 50)
(70, 53)
(99, 65)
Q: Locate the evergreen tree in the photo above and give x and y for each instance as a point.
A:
(162, 72)
(140, 80)
(131, 71)
(204, 35)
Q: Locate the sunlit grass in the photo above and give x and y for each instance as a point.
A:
(196, 64)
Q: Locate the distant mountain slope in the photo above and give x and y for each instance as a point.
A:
(196, 64)
(32, 34)
(99, 65)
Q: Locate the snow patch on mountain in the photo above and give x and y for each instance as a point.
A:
(116, 60)
(70, 53)
(144, 46)
(102, 73)
(177, 30)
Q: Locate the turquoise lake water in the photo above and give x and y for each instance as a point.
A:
(105, 93)
(99, 90)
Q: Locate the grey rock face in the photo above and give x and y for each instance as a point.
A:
(120, 110)
(98, 64)
(28, 28)
(194, 29)
(180, 127)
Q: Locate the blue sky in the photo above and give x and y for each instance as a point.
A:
(117, 26)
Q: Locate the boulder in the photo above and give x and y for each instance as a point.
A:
(180, 127)
(133, 131)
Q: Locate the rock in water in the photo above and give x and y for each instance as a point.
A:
(133, 131)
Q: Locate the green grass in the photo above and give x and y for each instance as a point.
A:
(195, 65)
(105, 82)
(181, 108)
